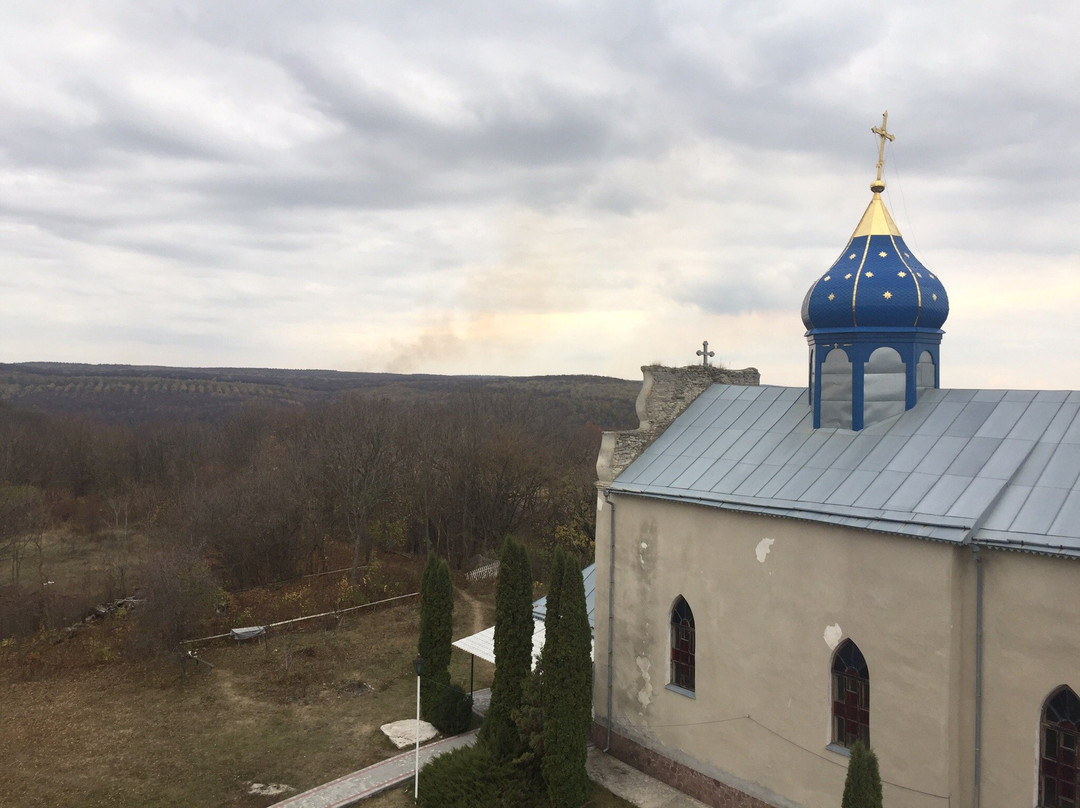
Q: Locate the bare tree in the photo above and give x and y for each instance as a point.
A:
(356, 451)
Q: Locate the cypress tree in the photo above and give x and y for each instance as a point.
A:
(529, 718)
(862, 787)
(554, 598)
(513, 650)
(444, 627)
(436, 631)
(567, 693)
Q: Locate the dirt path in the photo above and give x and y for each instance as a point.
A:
(476, 618)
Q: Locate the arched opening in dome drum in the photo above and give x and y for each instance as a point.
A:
(836, 390)
(925, 374)
(884, 386)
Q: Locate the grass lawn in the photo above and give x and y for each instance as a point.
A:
(82, 727)
(299, 709)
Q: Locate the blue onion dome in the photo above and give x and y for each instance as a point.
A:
(876, 282)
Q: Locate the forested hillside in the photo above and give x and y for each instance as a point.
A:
(281, 473)
(133, 394)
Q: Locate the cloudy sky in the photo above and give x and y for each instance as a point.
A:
(527, 188)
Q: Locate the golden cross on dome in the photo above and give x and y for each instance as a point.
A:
(883, 132)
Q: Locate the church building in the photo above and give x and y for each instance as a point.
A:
(781, 571)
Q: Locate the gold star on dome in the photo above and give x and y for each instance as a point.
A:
(832, 296)
(935, 297)
(847, 277)
(851, 257)
(907, 255)
(887, 295)
(918, 274)
(882, 254)
(827, 278)
(901, 274)
(932, 276)
(869, 274)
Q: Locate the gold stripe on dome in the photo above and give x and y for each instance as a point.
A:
(903, 256)
(855, 286)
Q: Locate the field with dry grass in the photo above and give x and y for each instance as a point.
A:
(300, 709)
(84, 723)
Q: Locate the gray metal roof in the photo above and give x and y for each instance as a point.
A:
(997, 467)
(588, 578)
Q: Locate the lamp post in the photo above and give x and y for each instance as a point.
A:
(418, 664)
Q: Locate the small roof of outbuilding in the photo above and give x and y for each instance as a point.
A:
(999, 468)
(482, 644)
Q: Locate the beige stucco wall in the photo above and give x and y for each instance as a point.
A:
(1031, 630)
(766, 592)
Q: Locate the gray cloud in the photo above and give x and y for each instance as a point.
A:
(419, 187)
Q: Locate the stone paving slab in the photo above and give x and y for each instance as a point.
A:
(623, 780)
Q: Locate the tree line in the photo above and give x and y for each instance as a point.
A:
(271, 493)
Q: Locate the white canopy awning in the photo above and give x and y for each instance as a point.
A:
(482, 644)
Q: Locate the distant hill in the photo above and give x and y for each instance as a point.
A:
(133, 394)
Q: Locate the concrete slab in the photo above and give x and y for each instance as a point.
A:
(402, 734)
(634, 786)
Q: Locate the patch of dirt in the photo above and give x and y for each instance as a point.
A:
(356, 688)
(476, 617)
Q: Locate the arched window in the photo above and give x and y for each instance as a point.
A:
(682, 645)
(850, 696)
(1057, 758)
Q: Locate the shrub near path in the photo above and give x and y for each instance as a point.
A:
(295, 710)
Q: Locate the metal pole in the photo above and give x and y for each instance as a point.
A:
(977, 795)
(416, 778)
(611, 616)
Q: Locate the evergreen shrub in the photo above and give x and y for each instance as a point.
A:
(471, 777)
(452, 713)
(862, 787)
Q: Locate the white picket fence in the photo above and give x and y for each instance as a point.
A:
(483, 573)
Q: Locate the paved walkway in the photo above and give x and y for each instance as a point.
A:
(614, 775)
(634, 786)
(370, 781)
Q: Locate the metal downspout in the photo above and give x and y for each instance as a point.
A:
(978, 673)
(611, 615)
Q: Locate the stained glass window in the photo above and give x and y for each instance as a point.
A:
(1060, 738)
(682, 645)
(850, 696)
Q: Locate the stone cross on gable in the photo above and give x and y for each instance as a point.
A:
(705, 353)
